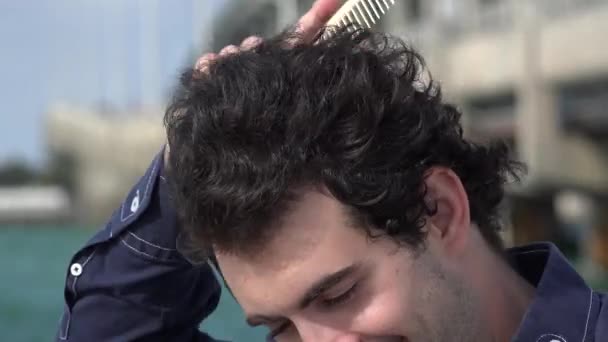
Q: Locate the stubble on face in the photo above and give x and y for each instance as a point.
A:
(447, 307)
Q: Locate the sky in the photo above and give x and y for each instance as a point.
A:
(122, 53)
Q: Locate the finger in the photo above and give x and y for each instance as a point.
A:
(227, 50)
(251, 42)
(203, 63)
(313, 21)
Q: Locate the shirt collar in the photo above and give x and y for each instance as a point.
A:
(563, 307)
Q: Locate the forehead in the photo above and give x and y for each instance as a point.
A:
(313, 239)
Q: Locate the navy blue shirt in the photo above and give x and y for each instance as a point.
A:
(564, 308)
(129, 282)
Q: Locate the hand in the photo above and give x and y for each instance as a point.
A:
(307, 27)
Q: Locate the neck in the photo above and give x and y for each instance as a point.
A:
(505, 295)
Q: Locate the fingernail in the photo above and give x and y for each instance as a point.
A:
(229, 50)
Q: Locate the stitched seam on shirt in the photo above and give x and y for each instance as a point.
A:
(65, 327)
(151, 244)
(88, 259)
(532, 251)
(82, 266)
(541, 251)
(122, 208)
(138, 251)
(74, 286)
(551, 335)
(588, 314)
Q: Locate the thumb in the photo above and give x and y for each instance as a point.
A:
(313, 21)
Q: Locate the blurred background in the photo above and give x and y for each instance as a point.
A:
(83, 85)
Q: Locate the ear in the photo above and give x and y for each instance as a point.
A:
(451, 223)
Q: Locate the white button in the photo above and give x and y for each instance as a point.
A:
(135, 203)
(76, 269)
(551, 338)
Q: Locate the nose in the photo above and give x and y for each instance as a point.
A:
(311, 332)
(348, 338)
(318, 332)
(336, 338)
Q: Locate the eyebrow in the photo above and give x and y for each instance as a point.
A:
(313, 293)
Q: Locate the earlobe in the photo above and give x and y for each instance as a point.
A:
(451, 219)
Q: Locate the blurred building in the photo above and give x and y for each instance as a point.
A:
(116, 78)
(34, 204)
(110, 152)
(533, 73)
(254, 17)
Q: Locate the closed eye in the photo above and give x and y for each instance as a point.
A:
(326, 303)
(342, 298)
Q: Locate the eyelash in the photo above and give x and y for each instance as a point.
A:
(327, 303)
(340, 299)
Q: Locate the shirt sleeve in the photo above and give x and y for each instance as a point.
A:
(130, 283)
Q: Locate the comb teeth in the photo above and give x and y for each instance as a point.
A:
(362, 13)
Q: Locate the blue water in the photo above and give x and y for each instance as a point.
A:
(33, 262)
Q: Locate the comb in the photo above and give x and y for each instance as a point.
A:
(362, 13)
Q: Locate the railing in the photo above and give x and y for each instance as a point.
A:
(498, 16)
(560, 8)
(495, 16)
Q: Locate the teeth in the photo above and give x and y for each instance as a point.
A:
(351, 14)
(380, 6)
(358, 15)
(343, 22)
(369, 2)
(351, 19)
(364, 15)
(369, 14)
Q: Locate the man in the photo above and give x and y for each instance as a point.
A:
(332, 187)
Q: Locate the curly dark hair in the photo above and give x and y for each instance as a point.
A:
(353, 114)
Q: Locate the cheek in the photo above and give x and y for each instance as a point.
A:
(387, 315)
(389, 309)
